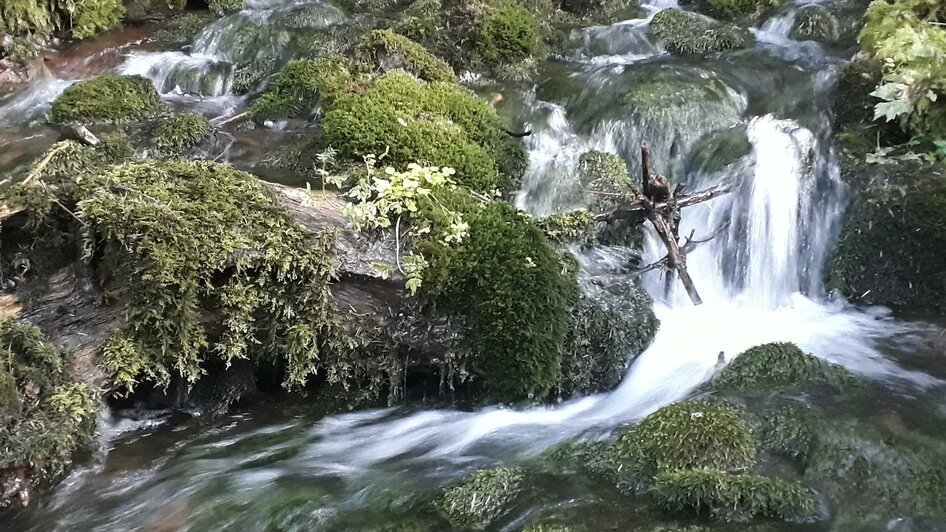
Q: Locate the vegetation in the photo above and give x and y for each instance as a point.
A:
(106, 98)
(224, 7)
(480, 499)
(816, 23)
(507, 33)
(683, 32)
(302, 86)
(788, 431)
(738, 9)
(385, 50)
(180, 132)
(80, 19)
(780, 365)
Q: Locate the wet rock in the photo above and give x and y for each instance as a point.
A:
(482, 498)
(142, 11)
(780, 366)
(683, 32)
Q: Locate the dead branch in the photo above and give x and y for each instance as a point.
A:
(637, 211)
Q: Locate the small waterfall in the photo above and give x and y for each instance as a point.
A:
(31, 103)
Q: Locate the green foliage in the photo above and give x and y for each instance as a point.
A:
(106, 98)
(224, 7)
(683, 32)
(439, 124)
(733, 497)
(178, 133)
(480, 499)
(179, 236)
(738, 9)
(689, 435)
(385, 50)
(18, 48)
(25, 16)
(816, 23)
(92, 17)
(302, 86)
(508, 33)
(570, 227)
(781, 365)
(83, 18)
(45, 416)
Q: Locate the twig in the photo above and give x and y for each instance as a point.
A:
(234, 118)
(42, 164)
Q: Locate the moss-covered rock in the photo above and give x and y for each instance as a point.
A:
(606, 186)
(385, 50)
(733, 497)
(479, 500)
(738, 10)
(178, 133)
(107, 98)
(689, 435)
(777, 366)
(302, 87)
(144, 11)
(683, 32)
(439, 123)
(788, 430)
(602, 11)
(888, 251)
(572, 227)
(45, 415)
(816, 23)
(611, 326)
(224, 7)
(180, 30)
(507, 33)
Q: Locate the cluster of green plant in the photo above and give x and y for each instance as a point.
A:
(683, 32)
(572, 227)
(909, 38)
(385, 50)
(178, 133)
(440, 124)
(733, 497)
(507, 33)
(477, 501)
(80, 19)
(107, 97)
(777, 366)
(606, 186)
(302, 86)
(45, 415)
(738, 9)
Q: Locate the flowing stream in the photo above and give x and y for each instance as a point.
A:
(761, 121)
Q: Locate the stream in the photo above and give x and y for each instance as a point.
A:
(762, 121)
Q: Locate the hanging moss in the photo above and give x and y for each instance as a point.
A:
(438, 123)
(45, 416)
(302, 87)
(92, 17)
(733, 497)
(385, 50)
(108, 98)
(81, 19)
(180, 132)
(781, 365)
(479, 500)
(683, 32)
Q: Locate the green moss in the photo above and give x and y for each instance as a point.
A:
(688, 435)
(543, 527)
(82, 18)
(733, 497)
(385, 50)
(683, 32)
(507, 34)
(18, 49)
(106, 98)
(570, 227)
(482, 498)
(788, 431)
(181, 29)
(438, 123)
(225, 7)
(606, 186)
(816, 23)
(180, 132)
(738, 9)
(91, 17)
(25, 16)
(781, 365)
(45, 415)
(302, 86)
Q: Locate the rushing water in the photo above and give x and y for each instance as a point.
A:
(759, 278)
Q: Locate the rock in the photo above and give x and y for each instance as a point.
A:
(683, 32)
(107, 98)
(481, 499)
(780, 366)
(816, 23)
(143, 11)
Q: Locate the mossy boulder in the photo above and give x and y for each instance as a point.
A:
(610, 326)
(602, 11)
(180, 30)
(178, 133)
(107, 98)
(816, 23)
(304, 86)
(683, 32)
(776, 366)
(45, 414)
(506, 34)
(738, 10)
(143, 11)
(733, 497)
(385, 50)
(788, 430)
(698, 434)
(439, 123)
(479, 500)
(889, 248)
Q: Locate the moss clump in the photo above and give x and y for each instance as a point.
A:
(45, 416)
(788, 431)
(816, 23)
(683, 32)
(606, 186)
(302, 86)
(688, 435)
(438, 123)
(385, 50)
(479, 500)
(570, 227)
(738, 10)
(81, 18)
(733, 497)
(224, 7)
(781, 365)
(179, 237)
(25, 16)
(508, 33)
(106, 98)
(180, 132)
(92, 17)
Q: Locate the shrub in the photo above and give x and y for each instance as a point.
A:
(780, 365)
(480, 499)
(683, 32)
(106, 98)
(181, 132)
(385, 50)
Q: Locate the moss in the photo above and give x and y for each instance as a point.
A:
(788, 431)
(570, 227)
(224, 7)
(18, 49)
(482, 498)
(181, 29)
(437, 123)
(25, 16)
(738, 9)
(606, 185)
(547, 527)
(385, 50)
(683, 32)
(92, 17)
(302, 86)
(106, 98)
(733, 497)
(816, 23)
(81, 18)
(45, 415)
(180, 132)
(781, 365)
(507, 34)
(602, 11)
(689, 435)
